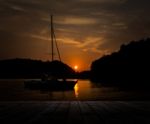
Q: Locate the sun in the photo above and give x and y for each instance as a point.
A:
(75, 67)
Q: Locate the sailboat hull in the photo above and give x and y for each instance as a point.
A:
(50, 85)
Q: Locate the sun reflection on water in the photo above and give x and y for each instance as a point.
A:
(76, 90)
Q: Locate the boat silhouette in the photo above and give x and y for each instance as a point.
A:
(52, 82)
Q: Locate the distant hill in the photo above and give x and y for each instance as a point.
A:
(130, 65)
(27, 68)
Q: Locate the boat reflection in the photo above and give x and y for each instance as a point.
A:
(83, 90)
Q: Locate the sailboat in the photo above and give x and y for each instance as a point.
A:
(52, 82)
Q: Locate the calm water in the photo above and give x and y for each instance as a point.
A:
(83, 90)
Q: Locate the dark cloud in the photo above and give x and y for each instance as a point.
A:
(94, 26)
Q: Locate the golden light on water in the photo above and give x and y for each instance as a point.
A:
(76, 90)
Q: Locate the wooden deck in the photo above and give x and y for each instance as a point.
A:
(75, 112)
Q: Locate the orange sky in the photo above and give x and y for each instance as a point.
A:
(73, 55)
(85, 29)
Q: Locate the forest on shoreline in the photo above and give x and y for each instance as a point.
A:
(128, 66)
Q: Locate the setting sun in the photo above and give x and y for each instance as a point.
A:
(75, 67)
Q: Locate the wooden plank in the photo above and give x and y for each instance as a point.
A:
(73, 112)
(41, 117)
(132, 113)
(119, 113)
(116, 112)
(61, 113)
(138, 110)
(89, 116)
(25, 112)
(13, 110)
(56, 113)
(74, 115)
(101, 109)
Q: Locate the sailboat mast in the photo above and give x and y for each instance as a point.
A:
(52, 38)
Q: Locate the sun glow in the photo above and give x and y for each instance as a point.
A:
(75, 67)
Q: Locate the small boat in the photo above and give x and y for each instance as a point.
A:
(51, 84)
(47, 83)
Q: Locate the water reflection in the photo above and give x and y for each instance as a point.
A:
(83, 90)
(76, 90)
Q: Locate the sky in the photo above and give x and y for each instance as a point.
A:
(85, 29)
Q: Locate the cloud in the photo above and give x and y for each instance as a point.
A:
(90, 44)
(96, 26)
(69, 41)
(104, 1)
(38, 37)
(77, 21)
(17, 8)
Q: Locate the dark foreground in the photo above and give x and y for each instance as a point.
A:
(75, 112)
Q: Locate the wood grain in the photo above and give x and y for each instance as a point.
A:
(74, 112)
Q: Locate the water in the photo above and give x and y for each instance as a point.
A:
(12, 90)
